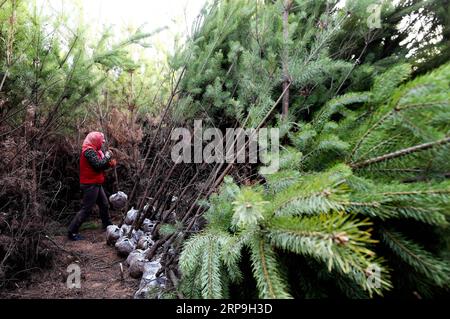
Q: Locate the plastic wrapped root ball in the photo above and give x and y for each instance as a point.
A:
(135, 254)
(145, 242)
(125, 246)
(131, 216)
(112, 234)
(118, 200)
(148, 225)
(137, 234)
(137, 267)
(150, 284)
(124, 230)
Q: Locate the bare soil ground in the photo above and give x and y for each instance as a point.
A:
(101, 276)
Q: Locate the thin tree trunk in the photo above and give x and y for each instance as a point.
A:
(166, 110)
(285, 59)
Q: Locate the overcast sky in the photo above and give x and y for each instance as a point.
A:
(177, 15)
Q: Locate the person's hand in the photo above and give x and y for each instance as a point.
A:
(113, 163)
(109, 154)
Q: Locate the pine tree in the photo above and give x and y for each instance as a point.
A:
(246, 53)
(51, 75)
(355, 184)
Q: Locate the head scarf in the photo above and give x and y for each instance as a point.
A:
(95, 141)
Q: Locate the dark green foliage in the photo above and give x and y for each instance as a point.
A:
(334, 205)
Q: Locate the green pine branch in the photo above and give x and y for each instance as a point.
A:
(416, 256)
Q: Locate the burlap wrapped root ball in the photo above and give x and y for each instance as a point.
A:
(125, 246)
(118, 200)
(131, 216)
(112, 234)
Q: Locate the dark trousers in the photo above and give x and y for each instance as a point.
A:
(92, 194)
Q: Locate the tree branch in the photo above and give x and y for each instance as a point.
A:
(400, 153)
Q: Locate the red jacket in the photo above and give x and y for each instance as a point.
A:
(88, 175)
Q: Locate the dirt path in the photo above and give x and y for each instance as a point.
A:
(100, 272)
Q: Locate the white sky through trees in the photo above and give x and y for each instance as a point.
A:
(177, 15)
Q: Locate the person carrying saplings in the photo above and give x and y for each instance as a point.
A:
(93, 163)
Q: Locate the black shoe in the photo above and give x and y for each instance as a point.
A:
(74, 237)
